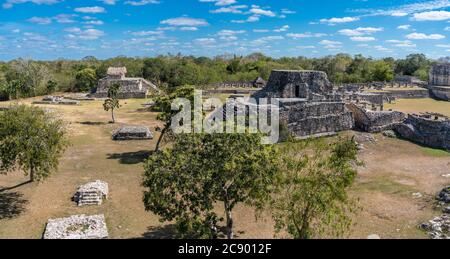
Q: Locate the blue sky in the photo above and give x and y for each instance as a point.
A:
(50, 29)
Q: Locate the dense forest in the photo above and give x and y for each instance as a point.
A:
(24, 78)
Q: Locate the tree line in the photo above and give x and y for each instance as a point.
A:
(25, 78)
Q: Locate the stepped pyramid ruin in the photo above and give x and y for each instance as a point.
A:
(308, 105)
(129, 87)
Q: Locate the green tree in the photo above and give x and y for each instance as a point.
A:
(31, 140)
(381, 71)
(52, 86)
(112, 102)
(163, 104)
(184, 183)
(85, 80)
(312, 199)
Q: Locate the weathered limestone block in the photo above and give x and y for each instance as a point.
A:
(295, 84)
(375, 121)
(444, 195)
(441, 92)
(305, 119)
(438, 228)
(57, 100)
(129, 87)
(77, 227)
(440, 75)
(91, 193)
(132, 133)
(426, 130)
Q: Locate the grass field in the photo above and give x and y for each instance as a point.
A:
(420, 106)
(394, 170)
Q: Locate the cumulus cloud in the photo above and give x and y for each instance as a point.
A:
(432, 16)
(360, 31)
(362, 39)
(141, 2)
(185, 21)
(91, 9)
(10, 3)
(333, 21)
(423, 36)
(84, 34)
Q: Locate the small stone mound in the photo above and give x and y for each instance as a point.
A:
(444, 195)
(132, 133)
(446, 210)
(57, 100)
(91, 193)
(77, 227)
(438, 228)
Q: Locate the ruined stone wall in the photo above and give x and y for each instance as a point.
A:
(284, 84)
(406, 94)
(305, 119)
(375, 121)
(426, 131)
(440, 92)
(440, 75)
(129, 88)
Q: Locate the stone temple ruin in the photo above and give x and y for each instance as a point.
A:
(91, 193)
(308, 105)
(439, 82)
(77, 227)
(129, 87)
(132, 133)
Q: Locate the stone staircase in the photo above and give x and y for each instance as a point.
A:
(91, 194)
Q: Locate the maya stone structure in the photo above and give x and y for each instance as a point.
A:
(132, 133)
(129, 87)
(57, 100)
(439, 81)
(92, 193)
(77, 227)
(375, 121)
(432, 130)
(308, 105)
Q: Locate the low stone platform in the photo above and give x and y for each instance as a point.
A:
(77, 227)
(438, 228)
(132, 133)
(444, 195)
(426, 129)
(56, 100)
(441, 92)
(91, 193)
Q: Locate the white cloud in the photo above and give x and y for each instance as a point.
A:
(423, 36)
(92, 9)
(404, 27)
(360, 31)
(40, 20)
(333, 21)
(362, 39)
(10, 3)
(185, 21)
(141, 2)
(236, 9)
(431, 16)
(305, 35)
(87, 34)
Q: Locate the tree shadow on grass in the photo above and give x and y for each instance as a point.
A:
(92, 123)
(12, 204)
(131, 158)
(163, 232)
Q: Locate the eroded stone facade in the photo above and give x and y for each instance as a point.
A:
(129, 87)
(439, 81)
